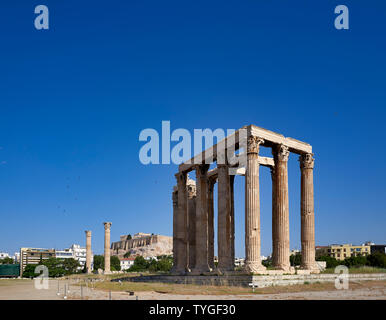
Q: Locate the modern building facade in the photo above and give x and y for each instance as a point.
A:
(34, 256)
(343, 251)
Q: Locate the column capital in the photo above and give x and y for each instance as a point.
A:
(281, 152)
(107, 225)
(307, 161)
(254, 144)
(202, 169)
(88, 233)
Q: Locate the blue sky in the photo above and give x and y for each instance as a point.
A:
(74, 98)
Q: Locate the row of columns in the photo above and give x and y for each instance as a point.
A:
(193, 231)
(107, 270)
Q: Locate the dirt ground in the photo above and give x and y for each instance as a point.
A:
(17, 289)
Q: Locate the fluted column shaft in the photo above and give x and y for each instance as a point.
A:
(281, 212)
(181, 234)
(201, 220)
(274, 238)
(211, 223)
(175, 227)
(252, 207)
(192, 228)
(232, 180)
(107, 246)
(88, 252)
(307, 212)
(224, 219)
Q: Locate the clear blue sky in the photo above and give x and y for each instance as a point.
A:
(74, 98)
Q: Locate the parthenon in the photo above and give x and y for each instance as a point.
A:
(193, 206)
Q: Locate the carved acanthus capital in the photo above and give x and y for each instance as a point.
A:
(307, 161)
(107, 225)
(254, 144)
(282, 152)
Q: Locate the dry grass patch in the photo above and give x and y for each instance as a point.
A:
(190, 289)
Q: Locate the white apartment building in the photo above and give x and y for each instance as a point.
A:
(4, 255)
(126, 263)
(76, 252)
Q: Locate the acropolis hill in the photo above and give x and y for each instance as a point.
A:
(143, 244)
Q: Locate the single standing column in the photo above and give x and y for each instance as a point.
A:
(107, 247)
(307, 213)
(232, 178)
(281, 211)
(88, 251)
(252, 208)
(224, 219)
(211, 223)
(192, 223)
(182, 225)
(201, 220)
(175, 225)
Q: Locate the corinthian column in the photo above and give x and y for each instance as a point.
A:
(211, 183)
(307, 213)
(88, 251)
(232, 182)
(107, 247)
(224, 219)
(181, 223)
(281, 246)
(201, 220)
(252, 208)
(192, 223)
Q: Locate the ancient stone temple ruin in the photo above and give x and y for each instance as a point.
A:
(193, 209)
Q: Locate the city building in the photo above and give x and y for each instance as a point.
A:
(343, 251)
(4, 255)
(34, 256)
(76, 252)
(126, 263)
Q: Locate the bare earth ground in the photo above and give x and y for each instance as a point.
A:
(19, 289)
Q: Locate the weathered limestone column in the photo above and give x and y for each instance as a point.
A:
(192, 223)
(224, 219)
(182, 225)
(232, 178)
(281, 211)
(175, 225)
(211, 184)
(107, 247)
(307, 213)
(252, 208)
(88, 251)
(201, 220)
(274, 239)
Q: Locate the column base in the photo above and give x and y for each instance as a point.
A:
(179, 272)
(200, 270)
(107, 272)
(285, 269)
(313, 268)
(254, 267)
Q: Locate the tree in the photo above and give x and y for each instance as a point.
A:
(140, 264)
(296, 259)
(71, 265)
(7, 260)
(129, 237)
(127, 254)
(115, 263)
(29, 271)
(99, 262)
(377, 259)
(330, 261)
